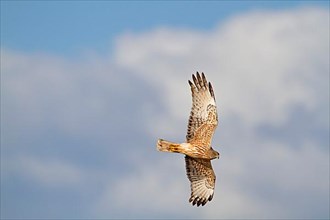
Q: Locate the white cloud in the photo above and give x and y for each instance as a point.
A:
(53, 90)
(258, 61)
(152, 190)
(47, 172)
(262, 64)
(271, 180)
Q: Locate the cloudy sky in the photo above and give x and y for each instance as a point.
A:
(87, 88)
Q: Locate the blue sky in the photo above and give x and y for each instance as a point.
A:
(87, 88)
(72, 27)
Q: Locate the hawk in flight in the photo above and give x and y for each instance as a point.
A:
(198, 152)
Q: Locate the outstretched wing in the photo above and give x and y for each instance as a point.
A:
(202, 180)
(203, 118)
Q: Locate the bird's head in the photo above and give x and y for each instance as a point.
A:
(214, 154)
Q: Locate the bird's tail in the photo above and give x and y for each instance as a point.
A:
(167, 146)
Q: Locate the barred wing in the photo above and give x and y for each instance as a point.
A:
(202, 180)
(203, 118)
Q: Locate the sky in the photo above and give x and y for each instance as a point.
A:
(87, 88)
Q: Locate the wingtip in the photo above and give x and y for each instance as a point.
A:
(211, 90)
(197, 201)
(194, 79)
(204, 80)
(199, 77)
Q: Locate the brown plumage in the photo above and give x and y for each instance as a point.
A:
(202, 123)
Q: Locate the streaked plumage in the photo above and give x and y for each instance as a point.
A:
(202, 123)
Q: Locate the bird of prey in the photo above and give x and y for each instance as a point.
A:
(197, 149)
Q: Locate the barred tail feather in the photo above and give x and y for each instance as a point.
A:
(167, 146)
